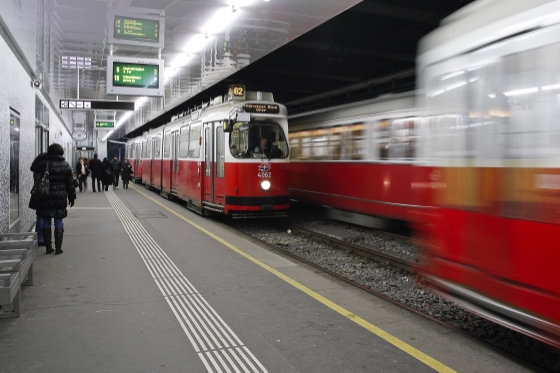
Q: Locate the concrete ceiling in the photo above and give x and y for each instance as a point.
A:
(236, 34)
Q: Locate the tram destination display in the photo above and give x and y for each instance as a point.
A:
(134, 76)
(262, 108)
(136, 26)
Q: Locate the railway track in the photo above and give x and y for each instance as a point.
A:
(400, 263)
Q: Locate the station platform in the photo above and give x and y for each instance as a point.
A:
(144, 285)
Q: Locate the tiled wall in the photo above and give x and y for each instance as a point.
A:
(16, 92)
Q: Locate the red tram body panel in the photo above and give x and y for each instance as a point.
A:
(360, 160)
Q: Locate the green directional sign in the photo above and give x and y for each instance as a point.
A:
(138, 29)
(135, 75)
(104, 124)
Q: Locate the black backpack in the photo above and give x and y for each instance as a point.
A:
(41, 188)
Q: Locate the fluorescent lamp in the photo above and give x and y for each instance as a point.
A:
(457, 85)
(550, 87)
(437, 93)
(107, 135)
(524, 91)
(453, 74)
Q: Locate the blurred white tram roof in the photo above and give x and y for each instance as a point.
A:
(483, 22)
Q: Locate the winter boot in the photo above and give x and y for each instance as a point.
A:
(58, 234)
(47, 238)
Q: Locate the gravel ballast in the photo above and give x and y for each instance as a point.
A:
(397, 284)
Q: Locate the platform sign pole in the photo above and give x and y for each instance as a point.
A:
(78, 86)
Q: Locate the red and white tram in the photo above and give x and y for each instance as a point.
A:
(228, 157)
(491, 81)
(358, 160)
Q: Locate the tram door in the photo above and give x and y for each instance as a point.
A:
(208, 162)
(138, 162)
(153, 169)
(174, 159)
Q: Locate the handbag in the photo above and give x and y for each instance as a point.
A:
(41, 188)
(108, 172)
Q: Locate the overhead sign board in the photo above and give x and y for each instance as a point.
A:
(84, 148)
(73, 104)
(134, 76)
(104, 124)
(136, 26)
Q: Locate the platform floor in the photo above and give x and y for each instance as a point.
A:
(144, 285)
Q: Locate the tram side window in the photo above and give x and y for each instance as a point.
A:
(335, 142)
(383, 137)
(184, 142)
(306, 144)
(531, 87)
(195, 140)
(320, 144)
(353, 145)
(359, 141)
(403, 139)
(167, 145)
(157, 151)
(145, 149)
(295, 145)
(220, 148)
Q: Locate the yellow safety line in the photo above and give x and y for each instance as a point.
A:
(429, 361)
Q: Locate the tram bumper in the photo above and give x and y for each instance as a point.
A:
(257, 207)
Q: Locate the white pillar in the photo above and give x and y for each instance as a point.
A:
(101, 145)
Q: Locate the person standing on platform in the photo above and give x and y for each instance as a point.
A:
(117, 165)
(81, 173)
(96, 168)
(126, 172)
(107, 172)
(61, 189)
(40, 161)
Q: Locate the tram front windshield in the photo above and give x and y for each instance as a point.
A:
(258, 140)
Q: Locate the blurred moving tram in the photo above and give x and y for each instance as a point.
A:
(490, 79)
(358, 160)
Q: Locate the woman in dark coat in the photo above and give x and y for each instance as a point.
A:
(61, 188)
(39, 223)
(107, 178)
(126, 173)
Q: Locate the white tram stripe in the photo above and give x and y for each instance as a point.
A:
(215, 343)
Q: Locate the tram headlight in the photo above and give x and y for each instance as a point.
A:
(265, 185)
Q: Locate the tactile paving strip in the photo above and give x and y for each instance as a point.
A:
(216, 344)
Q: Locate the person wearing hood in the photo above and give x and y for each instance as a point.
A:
(61, 190)
(40, 161)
